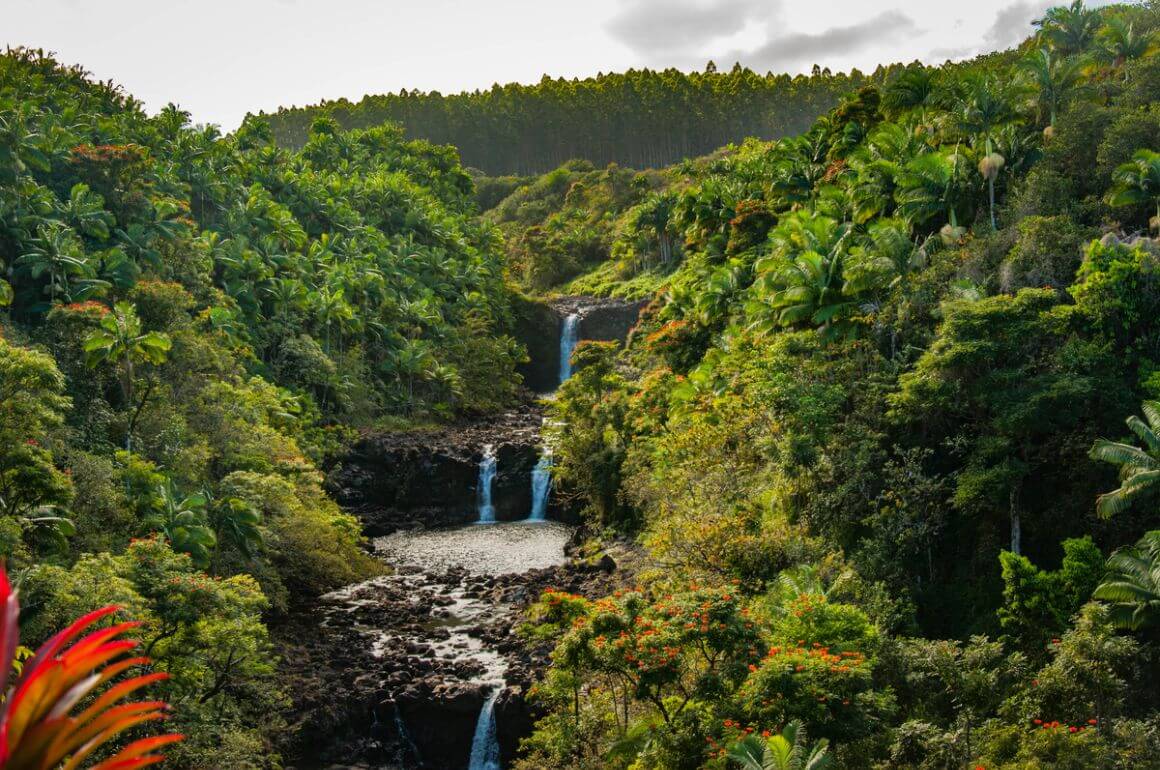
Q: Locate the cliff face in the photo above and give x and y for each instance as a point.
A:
(430, 478)
(606, 319)
(538, 326)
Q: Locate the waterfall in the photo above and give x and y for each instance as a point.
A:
(404, 734)
(569, 336)
(486, 478)
(541, 486)
(485, 745)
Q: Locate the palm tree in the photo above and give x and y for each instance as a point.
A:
(1138, 182)
(799, 172)
(413, 361)
(787, 751)
(809, 286)
(86, 212)
(931, 185)
(1119, 43)
(916, 88)
(235, 522)
(1139, 468)
(120, 341)
(1070, 30)
(47, 523)
(1133, 584)
(332, 310)
(876, 167)
(989, 166)
(57, 253)
(887, 257)
(182, 521)
(1055, 80)
(655, 216)
(984, 105)
(718, 292)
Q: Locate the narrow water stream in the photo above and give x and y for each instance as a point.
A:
(541, 485)
(485, 745)
(433, 644)
(487, 469)
(569, 337)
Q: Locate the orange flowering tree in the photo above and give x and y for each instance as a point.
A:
(666, 652)
(819, 671)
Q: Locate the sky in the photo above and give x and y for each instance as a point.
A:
(220, 59)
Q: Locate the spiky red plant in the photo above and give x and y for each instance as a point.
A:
(38, 727)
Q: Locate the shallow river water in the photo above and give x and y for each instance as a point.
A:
(484, 549)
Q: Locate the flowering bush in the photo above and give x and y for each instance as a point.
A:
(59, 710)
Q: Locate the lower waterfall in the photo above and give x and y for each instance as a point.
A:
(485, 744)
(541, 486)
(486, 479)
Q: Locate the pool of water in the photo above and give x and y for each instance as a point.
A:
(484, 549)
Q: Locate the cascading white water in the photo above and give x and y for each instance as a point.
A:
(569, 336)
(404, 733)
(541, 485)
(486, 479)
(485, 745)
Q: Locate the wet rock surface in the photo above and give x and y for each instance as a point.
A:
(607, 319)
(537, 327)
(394, 671)
(429, 478)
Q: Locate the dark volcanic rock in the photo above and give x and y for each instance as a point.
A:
(514, 720)
(430, 478)
(381, 678)
(607, 319)
(537, 326)
(441, 721)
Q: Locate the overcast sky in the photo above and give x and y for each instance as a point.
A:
(220, 59)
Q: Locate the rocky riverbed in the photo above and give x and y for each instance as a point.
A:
(429, 478)
(395, 670)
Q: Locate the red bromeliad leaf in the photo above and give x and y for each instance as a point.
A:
(38, 730)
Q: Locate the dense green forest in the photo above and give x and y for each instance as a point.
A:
(869, 428)
(192, 325)
(639, 118)
(882, 455)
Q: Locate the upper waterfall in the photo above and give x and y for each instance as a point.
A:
(569, 336)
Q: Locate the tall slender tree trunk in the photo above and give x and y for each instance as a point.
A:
(1016, 521)
(991, 185)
